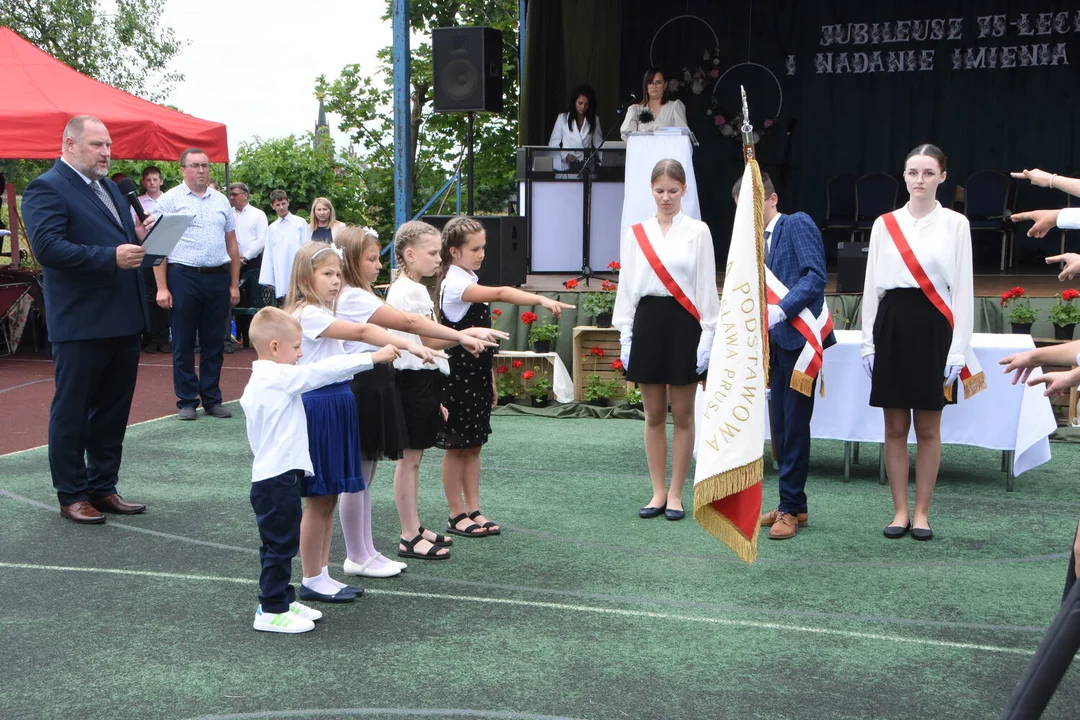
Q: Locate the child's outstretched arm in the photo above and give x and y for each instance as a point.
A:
(485, 294)
(375, 335)
(443, 337)
(302, 378)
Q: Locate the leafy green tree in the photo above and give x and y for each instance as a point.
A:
(364, 103)
(121, 43)
(305, 168)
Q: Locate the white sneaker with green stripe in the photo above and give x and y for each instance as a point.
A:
(306, 612)
(286, 622)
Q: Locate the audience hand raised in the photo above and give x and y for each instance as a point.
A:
(386, 354)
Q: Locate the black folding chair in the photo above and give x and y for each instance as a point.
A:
(986, 206)
(875, 195)
(946, 194)
(840, 204)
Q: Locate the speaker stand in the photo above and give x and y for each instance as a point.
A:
(586, 219)
(469, 141)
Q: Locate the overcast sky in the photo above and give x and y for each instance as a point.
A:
(252, 65)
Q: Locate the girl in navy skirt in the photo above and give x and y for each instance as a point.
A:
(470, 390)
(383, 431)
(333, 424)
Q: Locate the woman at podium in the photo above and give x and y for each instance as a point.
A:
(577, 128)
(653, 112)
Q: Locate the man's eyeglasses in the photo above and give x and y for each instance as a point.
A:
(199, 166)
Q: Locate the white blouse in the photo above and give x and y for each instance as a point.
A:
(313, 322)
(409, 296)
(687, 253)
(942, 243)
(672, 114)
(357, 305)
(454, 285)
(572, 137)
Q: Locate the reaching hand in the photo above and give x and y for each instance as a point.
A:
(1021, 364)
(868, 365)
(426, 354)
(385, 354)
(1035, 175)
(474, 345)
(1057, 383)
(1045, 221)
(555, 307)
(952, 372)
(1072, 265)
(489, 335)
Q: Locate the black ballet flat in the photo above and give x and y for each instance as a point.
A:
(895, 532)
(648, 512)
(922, 533)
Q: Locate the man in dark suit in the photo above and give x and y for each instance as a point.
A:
(86, 241)
(795, 254)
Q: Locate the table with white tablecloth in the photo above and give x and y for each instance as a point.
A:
(1012, 418)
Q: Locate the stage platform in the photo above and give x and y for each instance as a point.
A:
(1036, 284)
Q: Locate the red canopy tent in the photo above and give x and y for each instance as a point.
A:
(40, 94)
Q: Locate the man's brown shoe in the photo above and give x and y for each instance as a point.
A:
(785, 527)
(767, 519)
(82, 512)
(116, 504)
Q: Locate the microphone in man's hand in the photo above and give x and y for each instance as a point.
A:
(127, 187)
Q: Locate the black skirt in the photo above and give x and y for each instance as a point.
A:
(664, 346)
(911, 347)
(382, 422)
(421, 392)
(468, 391)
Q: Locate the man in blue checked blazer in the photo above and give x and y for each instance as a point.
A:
(795, 253)
(87, 242)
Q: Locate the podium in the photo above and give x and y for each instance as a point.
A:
(643, 151)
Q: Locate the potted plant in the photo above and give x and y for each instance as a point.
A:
(1064, 315)
(496, 313)
(539, 389)
(633, 398)
(600, 304)
(598, 391)
(507, 386)
(1021, 314)
(540, 336)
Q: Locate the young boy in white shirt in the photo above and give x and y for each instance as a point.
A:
(277, 433)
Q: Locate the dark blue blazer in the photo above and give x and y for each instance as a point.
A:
(74, 238)
(797, 259)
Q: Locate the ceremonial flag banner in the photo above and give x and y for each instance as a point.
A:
(731, 425)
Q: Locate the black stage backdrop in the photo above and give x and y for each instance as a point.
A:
(847, 86)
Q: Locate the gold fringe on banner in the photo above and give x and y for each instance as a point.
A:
(947, 389)
(802, 383)
(718, 487)
(759, 242)
(974, 384)
(821, 372)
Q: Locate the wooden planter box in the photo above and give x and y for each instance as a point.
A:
(587, 337)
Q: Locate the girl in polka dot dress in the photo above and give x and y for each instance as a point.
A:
(470, 389)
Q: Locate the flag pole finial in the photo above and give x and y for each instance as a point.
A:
(747, 129)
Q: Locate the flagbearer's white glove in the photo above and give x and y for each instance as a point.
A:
(704, 350)
(868, 365)
(776, 315)
(951, 373)
(624, 350)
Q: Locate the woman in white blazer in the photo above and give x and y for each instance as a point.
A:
(654, 111)
(577, 128)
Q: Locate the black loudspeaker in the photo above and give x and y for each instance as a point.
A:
(506, 261)
(467, 69)
(851, 266)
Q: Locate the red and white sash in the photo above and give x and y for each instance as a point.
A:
(972, 375)
(662, 272)
(814, 329)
